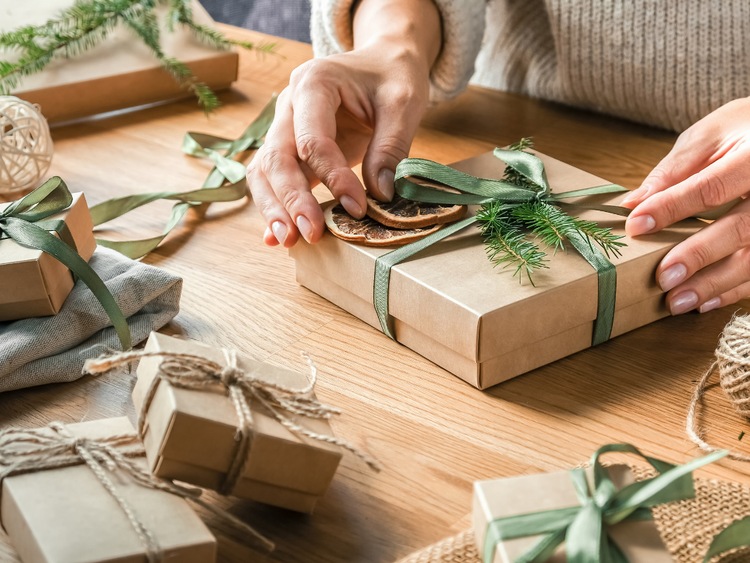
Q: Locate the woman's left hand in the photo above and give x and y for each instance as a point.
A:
(708, 167)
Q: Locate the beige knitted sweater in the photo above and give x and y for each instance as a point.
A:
(661, 62)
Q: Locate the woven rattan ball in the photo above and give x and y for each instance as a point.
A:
(733, 358)
(25, 145)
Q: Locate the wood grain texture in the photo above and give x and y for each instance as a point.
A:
(434, 434)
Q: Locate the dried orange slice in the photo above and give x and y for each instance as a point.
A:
(401, 213)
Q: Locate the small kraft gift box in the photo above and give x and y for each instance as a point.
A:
(639, 540)
(450, 303)
(74, 494)
(33, 283)
(233, 438)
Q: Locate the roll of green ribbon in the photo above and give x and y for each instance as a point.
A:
(481, 191)
(583, 527)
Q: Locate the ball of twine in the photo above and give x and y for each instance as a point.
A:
(733, 365)
(25, 145)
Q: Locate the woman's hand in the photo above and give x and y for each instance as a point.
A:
(708, 167)
(363, 105)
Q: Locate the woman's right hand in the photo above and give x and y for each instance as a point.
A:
(362, 105)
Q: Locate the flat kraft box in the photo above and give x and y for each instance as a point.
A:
(65, 515)
(119, 73)
(639, 540)
(33, 283)
(452, 306)
(189, 435)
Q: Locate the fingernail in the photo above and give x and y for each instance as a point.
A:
(631, 197)
(351, 206)
(640, 225)
(710, 305)
(385, 183)
(684, 302)
(305, 228)
(279, 231)
(672, 276)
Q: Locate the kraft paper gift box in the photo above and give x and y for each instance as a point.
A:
(190, 435)
(120, 72)
(638, 539)
(478, 321)
(66, 515)
(33, 283)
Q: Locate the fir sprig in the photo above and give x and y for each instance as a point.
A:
(87, 23)
(508, 229)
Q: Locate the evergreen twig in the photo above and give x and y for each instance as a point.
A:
(87, 23)
(506, 228)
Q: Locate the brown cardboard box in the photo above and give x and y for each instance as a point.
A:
(190, 435)
(33, 283)
(639, 540)
(66, 516)
(119, 73)
(451, 305)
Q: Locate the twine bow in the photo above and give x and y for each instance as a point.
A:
(189, 371)
(24, 222)
(584, 528)
(478, 191)
(28, 451)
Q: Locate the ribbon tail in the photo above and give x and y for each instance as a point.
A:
(384, 264)
(33, 236)
(607, 287)
(737, 534)
(138, 248)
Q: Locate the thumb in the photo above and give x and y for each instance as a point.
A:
(391, 139)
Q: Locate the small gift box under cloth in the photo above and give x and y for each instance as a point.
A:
(238, 430)
(450, 303)
(81, 494)
(639, 540)
(33, 283)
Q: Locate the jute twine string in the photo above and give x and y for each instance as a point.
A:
(190, 371)
(31, 450)
(733, 365)
(25, 145)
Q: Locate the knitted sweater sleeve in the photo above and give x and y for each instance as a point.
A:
(463, 24)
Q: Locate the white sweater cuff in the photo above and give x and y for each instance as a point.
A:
(463, 28)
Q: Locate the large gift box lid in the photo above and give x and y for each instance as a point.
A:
(120, 72)
(33, 283)
(478, 321)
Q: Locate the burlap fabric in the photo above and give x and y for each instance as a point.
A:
(687, 527)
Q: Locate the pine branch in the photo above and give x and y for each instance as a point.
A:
(506, 243)
(88, 22)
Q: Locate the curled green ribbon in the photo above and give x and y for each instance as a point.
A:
(225, 182)
(477, 191)
(583, 528)
(23, 221)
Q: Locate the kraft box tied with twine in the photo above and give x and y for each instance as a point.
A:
(82, 492)
(217, 419)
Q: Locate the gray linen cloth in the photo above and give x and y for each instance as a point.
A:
(53, 349)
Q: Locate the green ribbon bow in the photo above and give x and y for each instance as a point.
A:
(737, 534)
(584, 528)
(24, 222)
(225, 182)
(478, 191)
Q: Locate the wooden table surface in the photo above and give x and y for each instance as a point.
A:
(433, 433)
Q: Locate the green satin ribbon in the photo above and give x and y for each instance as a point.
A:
(737, 534)
(225, 182)
(478, 191)
(23, 221)
(584, 528)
